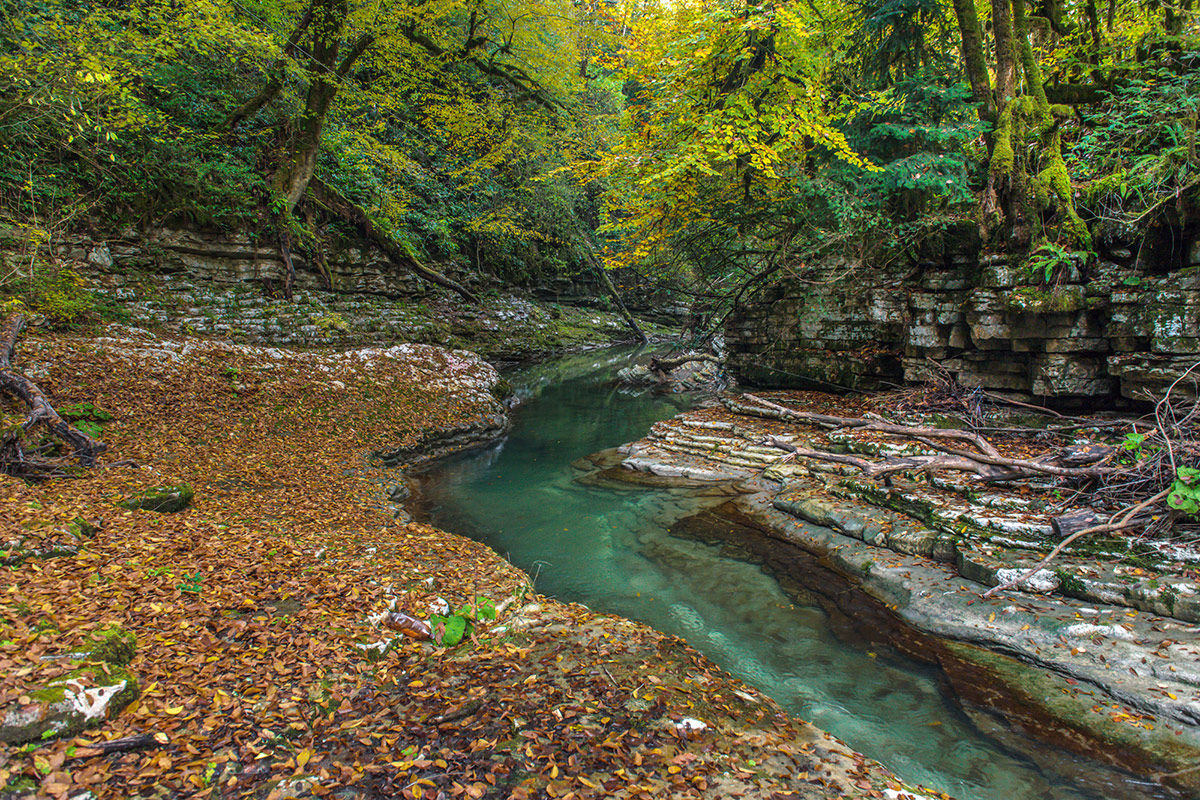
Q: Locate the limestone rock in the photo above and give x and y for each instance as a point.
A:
(69, 704)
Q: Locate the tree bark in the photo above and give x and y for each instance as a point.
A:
(974, 61)
(1006, 53)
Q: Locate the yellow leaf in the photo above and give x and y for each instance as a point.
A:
(173, 711)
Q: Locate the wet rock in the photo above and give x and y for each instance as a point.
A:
(166, 499)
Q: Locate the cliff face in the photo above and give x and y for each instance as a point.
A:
(230, 285)
(1124, 328)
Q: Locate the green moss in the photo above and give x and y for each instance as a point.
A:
(1003, 157)
(112, 644)
(1169, 595)
(1039, 300)
(1069, 584)
(167, 499)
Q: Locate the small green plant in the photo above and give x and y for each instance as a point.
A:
(1185, 491)
(191, 583)
(1132, 444)
(88, 418)
(450, 629)
(332, 321)
(60, 295)
(1047, 260)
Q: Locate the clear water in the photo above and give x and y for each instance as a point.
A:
(610, 549)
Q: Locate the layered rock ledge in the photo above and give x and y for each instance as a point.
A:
(1098, 656)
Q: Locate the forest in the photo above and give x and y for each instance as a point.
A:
(695, 146)
(569, 399)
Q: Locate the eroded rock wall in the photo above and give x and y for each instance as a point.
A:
(1119, 329)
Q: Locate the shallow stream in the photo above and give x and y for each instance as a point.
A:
(611, 550)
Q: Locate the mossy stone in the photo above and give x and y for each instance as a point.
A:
(112, 644)
(167, 499)
(64, 708)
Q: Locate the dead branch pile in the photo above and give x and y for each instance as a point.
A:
(941, 392)
(22, 454)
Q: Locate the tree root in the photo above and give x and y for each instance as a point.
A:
(13, 458)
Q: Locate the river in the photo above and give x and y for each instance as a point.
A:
(611, 550)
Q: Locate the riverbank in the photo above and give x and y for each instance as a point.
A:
(260, 665)
(1112, 680)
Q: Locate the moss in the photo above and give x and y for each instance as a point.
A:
(1038, 300)
(112, 644)
(56, 715)
(1169, 595)
(502, 390)
(1003, 155)
(1069, 584)
(167, 499)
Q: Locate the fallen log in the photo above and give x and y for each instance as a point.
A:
(13, 459)
(124, 745)
(1067, 524)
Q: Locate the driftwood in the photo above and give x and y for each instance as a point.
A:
(987, 464)
(1130, 478)
(1068, 524)
(124, 745)
(13, 459)
(1127, 518)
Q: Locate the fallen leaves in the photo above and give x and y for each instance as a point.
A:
(257, 677)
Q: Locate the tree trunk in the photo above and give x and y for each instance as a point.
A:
(274, 83)
(1006, 53)
(606, 281)
(974, 61)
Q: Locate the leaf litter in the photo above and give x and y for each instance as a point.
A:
(265, 671)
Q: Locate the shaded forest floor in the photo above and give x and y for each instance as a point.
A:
(252, 606)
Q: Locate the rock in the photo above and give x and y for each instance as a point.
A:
(69, 704)
(100, 256)
(112, 644)
(167, 499)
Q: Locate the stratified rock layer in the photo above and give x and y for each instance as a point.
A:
(1120, 329)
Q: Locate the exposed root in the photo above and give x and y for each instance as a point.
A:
(16, 457)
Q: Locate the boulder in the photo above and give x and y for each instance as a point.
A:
(70, 703)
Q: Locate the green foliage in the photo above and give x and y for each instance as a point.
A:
(1140, 145)
(450, 629)
(86, 417)
(1049, 259)
(1185, 491)
(917, 131)
(191, 584)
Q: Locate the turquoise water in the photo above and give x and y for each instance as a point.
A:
(611, 550)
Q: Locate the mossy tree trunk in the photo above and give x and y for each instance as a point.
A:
(1027, 176)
